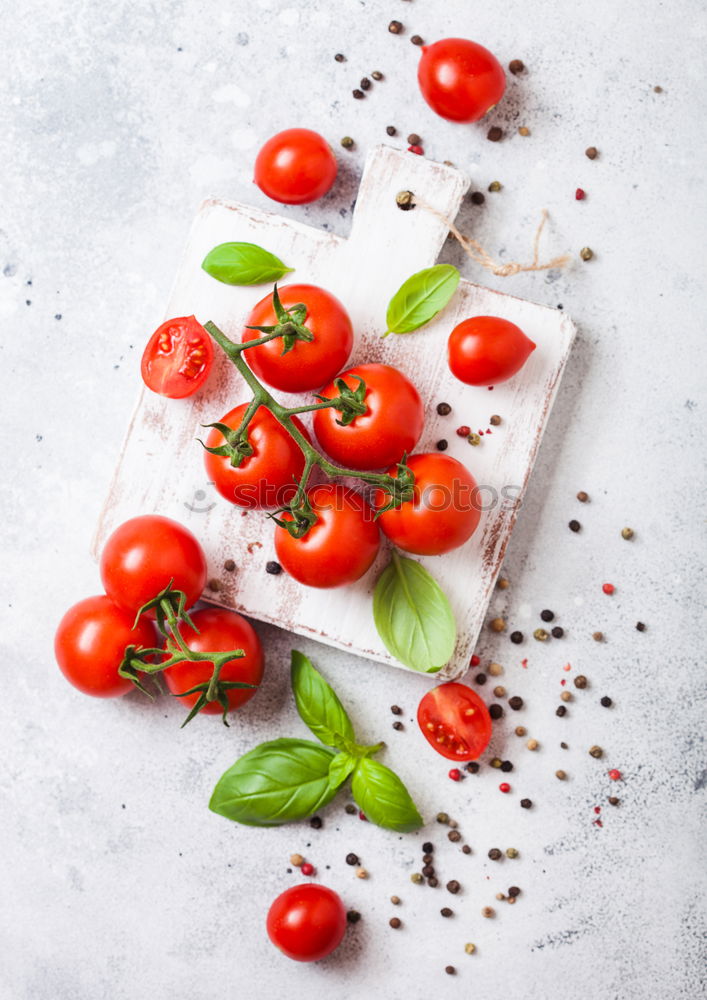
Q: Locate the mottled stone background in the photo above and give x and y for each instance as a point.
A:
(116, 120)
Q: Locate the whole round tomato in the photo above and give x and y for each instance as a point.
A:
(443, 512)
(218, 630)
(339, 547)
(308, 364)
(90, 643)
(460, 80)
(455, 721)
(144, 554)
(295, 167)
(486, 350)
(391, 425)
(178, 358)
(307, 922)
(268, 477)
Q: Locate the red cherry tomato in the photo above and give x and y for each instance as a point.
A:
(218, 631)
(90, 643)
(339, 548)
(309, 364)
(455, 721)
(487, 350)
(295, 167)
(267, 478)
(460, 80)
(178, 358)
(391, 425)
(144, 554)
(443, 513)
(307, 922)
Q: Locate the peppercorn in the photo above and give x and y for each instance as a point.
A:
(516, 638)
(495, 669)
(547, 615)
(586, 253)
(427, 859)
(472, 767)
(428, 847)
(316, 822)
(296, 860)
(496, 711)
(274, 568)
(511, 852)
(494, 420)
(614, 774)
(493, 187)
(606, 701)
(358, 94)
(414, 139)
(516, 66)
(511, 899)
(526, 803)
(514, 891)
(580, 194)
(566, 696)
(598, 636)
(229, 565)
(497, 625)
(353, 916)
(443, 409)
(442, 818)
(516, 702)
(391, 130)
(340, 57)
(416, 40)
(454, 836)
(564, 746)
(377, 75)
(214, 584)
(350, 808)
(477, 198)
(347, 142)
(580, 681)
(591, 153)
(352, 859)
(396, 710)
(561, 710)
(428, 871)
(307, 869)
(450, 970)
(499, 691)
(640, 627)
(596, 751)
(557, 632)
(520, 730)
(395, 27)
(532, 744)
(361, 873)
(470, 948)
(365, 83)
(442, 445)
(561, 775)
(453, 886)
(463, 431)
(613, 801)
(466, 849)
(494, 134)
(523, 131)
(494, 854)
(416, 878)
(432, 882)
(474, 440)
(495, 762)
(503, 583)
(404, 200)
(398, 726)
(506, 766)
(395, 922)
(488, 911)
(500, 896)
(574, 526)
(627, 533)
(446, 912)
(395, 900)
(480, 679)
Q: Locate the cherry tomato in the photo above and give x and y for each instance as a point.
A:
(391, 425)
(178, 358)
(295, 167)
(455, 721)
(267, 478)
(218, 630)
(339, 547)
(487, 350)
(309, 364)
(90, 643)
(144, 554)
(443, 513)
(460, 80)
(307, 922)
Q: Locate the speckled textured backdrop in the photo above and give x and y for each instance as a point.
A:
(117, 883)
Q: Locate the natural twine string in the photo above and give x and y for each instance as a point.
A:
(477, 253)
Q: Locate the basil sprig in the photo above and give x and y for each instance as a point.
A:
(289, 779)
(243, 264)
(420, 298)
(413, 616)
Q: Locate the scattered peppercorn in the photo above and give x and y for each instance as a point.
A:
(494, 133)
(454, 774)
(446, 912)
(416, 878)
(627, 533)
(596, 751)
(416, 40)
(350, 808)
(443, 409)
(493, 187)
(566, 696)
(229, 565)
(547, 615)
(361, 873)
(613, 801)
(214, 584)
(365, 83)
(523, 131)
(466, 849)
(474, 440)
(580, 681)
(340, 57)
(561, 775)
(477, 198)
(427, 859)
(591, 153)
(561, 710)
(453, 886)
(488, 911)
(404, 200)
(395, 900)
(580, 194)
(511, 852)
(454, 836)
(353, 916)
(506, 766)
(398, 726)
(432, 882)
(574, 526)
(347, 142)
(497, 625)
(516, 66)
(557, 632)
(516, 638)
(395, 922)
(614, 774)
(396, 710)
(504, 787)
(496, 711)
(391, 130)
(495, 420)
(598, 636)
(417, 150)
(274, 568)
(442, 445)
(316, 822)
(503, 583)
(541, 635)
(307, 869)
(442, 818)
(500, 896)
(640, 627)
(495, 669)
(582, 496)
(395, 27)
(450, 970)
(520, 730)
(494, 854)
(358, 94)
(428, 871)
(480, 679)
(352, 859)
(495, 762)
(586, 253)
(564, 746)
(499, 691)
(472, 767)
(428, 847)
(516, 702)
(463, 431)
(514, 891)
(606, 701)
(470, 948)
(377, 75)
(296, 860)
(526, 803)
(608, 588)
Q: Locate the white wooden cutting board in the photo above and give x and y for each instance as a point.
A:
(161, 466)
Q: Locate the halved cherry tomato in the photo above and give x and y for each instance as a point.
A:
(307, 922)
(144, 554)
(391, 425)
(455, 721)
(268, 477)
(178, 358)
(443, 513)
(486, 350)
(339, 547)
(90, 643)
(460, 79)
(308, 364)
(295, 167)
(218, 631)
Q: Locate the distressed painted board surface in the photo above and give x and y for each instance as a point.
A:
(161, 470)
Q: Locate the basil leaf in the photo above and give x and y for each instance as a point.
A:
(243, 264)
(318, 705)
(276, 782)
(383, 797)
(340, 768)
(420, 298)
(413, 616)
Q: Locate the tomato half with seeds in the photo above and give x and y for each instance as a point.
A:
(268, 477)
(339, 547)
(487, 350)
(460, 79)
(307, 922)
(391, 425)
(455, 721)
(308, 364)
(295, 167)
(90, 643)
(178, 358)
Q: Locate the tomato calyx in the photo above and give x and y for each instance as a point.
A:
(170, 607)
(301, 518)
(350, 403)
(400, 489)
(290, 325)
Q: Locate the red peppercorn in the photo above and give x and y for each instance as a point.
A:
(307, 869)
(362, 815)
(475, 660)
(614, 774)
(504, 787)
(416, 149)
(580, 194)
(463, 431)
(608, 588)
(455, 774)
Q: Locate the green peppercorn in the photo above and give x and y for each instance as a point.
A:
(586, 253)
(495, 186)
(596, 752)
(511, 852)
(442, 818)
(416, 878)
(405, 200)
(474, 439)
(627, 533)
(540, 634)
(470, 948)
(347, 142)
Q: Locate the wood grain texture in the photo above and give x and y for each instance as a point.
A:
(161, 469)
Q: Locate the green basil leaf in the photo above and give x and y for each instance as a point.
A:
(413, 616)
(383, 797)
(243, 264)
(340, 768)
(318, 705)
(420, 298)
(276, 782)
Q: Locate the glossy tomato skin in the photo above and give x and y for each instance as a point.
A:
(90, 643)
(391, 426)
(487, 350)
(443, 513)
(295, 167)
(460, 79)
(339, 548)
(266, 479)
(307, 922)
(455, 721)
(144, 554)
(218, 630)
(178, 358)
(309, 364)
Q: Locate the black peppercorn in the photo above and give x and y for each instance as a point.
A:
(391, 130)
(446, 912)
(427, 859)
(506, 766)
(480, 679)
(432, 882)
(416, 40)
(477, 198)
(395, 922)
(580, 681)
(353, 916)
(377, 75)
(514, 891)
(443, 409)
(494, 134)
(450, 970)
(560, 710)
(606, 701)
(396, 710)
(395, 27)
(453, 887)
(495, 711)
(398, 726)
(350, 808)
(547, 615)
(340, 57)
(592, 152)
(613, 801)
(516, 702)
(525, 803)
(352, 859)
(574, 525)
(229, 565)
(427, 847)
(316, 822)
(495, 854)
(442, 445)
(365, 83)
(640, 627)
(466, 849)
(428, 871)
(516, 66)
(454, 836)
(272, 567)
(557, 632)
(414, 139)
(472, 767)
(516, 637)
(358, 94)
